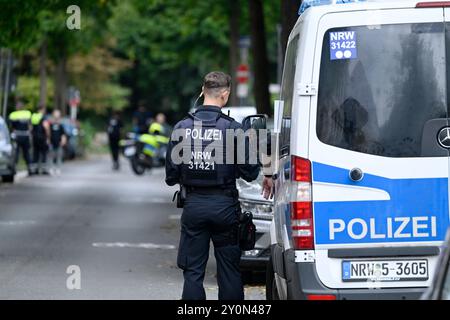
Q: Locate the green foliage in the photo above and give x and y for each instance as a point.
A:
(94, 75)
(172, 44)
(155, 51)
(28, 87)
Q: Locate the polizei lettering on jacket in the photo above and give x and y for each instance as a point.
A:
(231, 146)
(203, 134)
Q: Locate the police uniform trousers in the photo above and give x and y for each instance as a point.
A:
(210, 217)
(114, 148)
(23, 144)
(40, 151)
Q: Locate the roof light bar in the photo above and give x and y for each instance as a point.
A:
(314, 3)
(433, 4)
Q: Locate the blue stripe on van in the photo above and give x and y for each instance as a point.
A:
(418, 210)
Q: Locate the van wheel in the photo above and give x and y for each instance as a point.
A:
(271, 286)
(8, 178)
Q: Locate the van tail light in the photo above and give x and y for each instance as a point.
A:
(302, 224)
(301, 169)
(433, 4)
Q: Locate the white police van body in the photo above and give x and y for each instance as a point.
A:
(362, 179)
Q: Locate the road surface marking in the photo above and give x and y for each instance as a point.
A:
(132, 245)
(17, 223)
(175, 217)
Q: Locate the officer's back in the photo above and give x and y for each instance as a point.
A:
(198, 159)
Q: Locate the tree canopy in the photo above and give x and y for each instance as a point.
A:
(134, 52)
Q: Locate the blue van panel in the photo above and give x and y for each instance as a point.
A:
(418, 210)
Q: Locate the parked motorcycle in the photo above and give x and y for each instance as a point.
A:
(145, 151)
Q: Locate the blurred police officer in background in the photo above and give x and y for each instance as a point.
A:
(141, 120)
(114, 132)
(160, 119)
(211, 207)
(41, 140)
(20, 127)
(58, 139)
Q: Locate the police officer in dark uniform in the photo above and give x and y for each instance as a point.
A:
(114, 132)
(211, 207)
(20, 121)
(41, 139)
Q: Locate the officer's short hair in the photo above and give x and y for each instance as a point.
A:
(215, 82)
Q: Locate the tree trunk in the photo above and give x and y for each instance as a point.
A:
(43, 74)
(260, 60)
(61, 85)
(235, 13)
(289, 16)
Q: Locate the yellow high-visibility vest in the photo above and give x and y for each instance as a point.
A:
(20, 115)
(36, 118)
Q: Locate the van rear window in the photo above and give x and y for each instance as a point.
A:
(380, 85)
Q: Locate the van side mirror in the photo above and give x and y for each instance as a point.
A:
(256, 122)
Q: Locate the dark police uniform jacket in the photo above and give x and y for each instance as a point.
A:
(200, 171)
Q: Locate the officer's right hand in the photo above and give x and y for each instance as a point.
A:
(268, 188)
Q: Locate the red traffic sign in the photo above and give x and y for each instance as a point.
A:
(243, 73)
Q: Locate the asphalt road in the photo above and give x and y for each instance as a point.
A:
(117, 231)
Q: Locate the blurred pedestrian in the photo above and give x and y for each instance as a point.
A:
(20, 122)
(58, 139)
(41, 140)
(114, 132)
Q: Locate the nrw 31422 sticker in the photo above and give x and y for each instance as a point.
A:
(343, 45)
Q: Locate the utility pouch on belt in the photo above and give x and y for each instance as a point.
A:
(180, 196)
(247, 231)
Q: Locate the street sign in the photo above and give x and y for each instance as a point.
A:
(242, 90)
(74, 101)
(245, 42)
(242, 76)
(74, 97)
(243, 73)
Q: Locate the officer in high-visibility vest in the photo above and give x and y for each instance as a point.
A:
(159, 132)
(41, 140)
(20, 122)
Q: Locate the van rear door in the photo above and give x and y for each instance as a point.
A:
(378, 138)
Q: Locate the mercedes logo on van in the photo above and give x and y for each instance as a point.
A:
(444, 137)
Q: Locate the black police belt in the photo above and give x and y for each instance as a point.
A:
(22, 133)
(230, 192)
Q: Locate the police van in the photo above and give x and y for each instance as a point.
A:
(363, 152)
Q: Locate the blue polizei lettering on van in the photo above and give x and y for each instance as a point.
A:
(343, 45)
(417, 211)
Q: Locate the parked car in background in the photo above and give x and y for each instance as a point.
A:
(7, 152)
(251, 200)
(440, 288)
(239, 113)
(74, 146)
